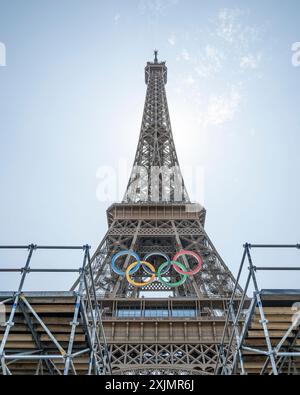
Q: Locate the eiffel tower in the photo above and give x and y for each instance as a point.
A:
(172, 323)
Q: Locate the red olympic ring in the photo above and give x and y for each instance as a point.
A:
(191, 253)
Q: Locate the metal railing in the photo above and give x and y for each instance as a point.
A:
(85, 307)
(234, 347)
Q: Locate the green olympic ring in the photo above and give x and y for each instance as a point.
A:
(177, 283)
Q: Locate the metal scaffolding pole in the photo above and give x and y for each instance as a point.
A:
(86, 316)
(271, 350)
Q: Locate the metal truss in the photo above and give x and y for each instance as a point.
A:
(160, 217)
(53, 332)
(168, 223)
(269, 340)
(195, 359)
(157, 336)
(169, 236)
(156, 148)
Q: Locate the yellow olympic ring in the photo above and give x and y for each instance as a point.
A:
(151, 267)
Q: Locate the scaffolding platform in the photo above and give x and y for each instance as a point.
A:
(76, 332)
(269, 340)
(52, 333)
(28, 338)
(279, 309)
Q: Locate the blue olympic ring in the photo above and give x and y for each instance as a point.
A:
(121, 253)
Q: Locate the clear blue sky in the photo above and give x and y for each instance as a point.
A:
(71, 101)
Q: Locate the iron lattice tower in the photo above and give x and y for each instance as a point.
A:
(179, 330)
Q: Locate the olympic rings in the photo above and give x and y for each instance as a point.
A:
(191, 253)
(121, 253)
(161, 270)
(131, 266)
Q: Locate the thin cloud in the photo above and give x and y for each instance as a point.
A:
(250, 61)
(185, 55)
(189, 80)
(172, 40)
(155, 7)
(232, 27)
(210, 62)
(222, 108)
(232, 48)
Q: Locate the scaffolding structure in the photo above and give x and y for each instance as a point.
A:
(52, 332)
(269, 340)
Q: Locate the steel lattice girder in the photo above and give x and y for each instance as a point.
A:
(137, 235)
(156, 147)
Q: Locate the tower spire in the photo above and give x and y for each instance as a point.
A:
(156, 175)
